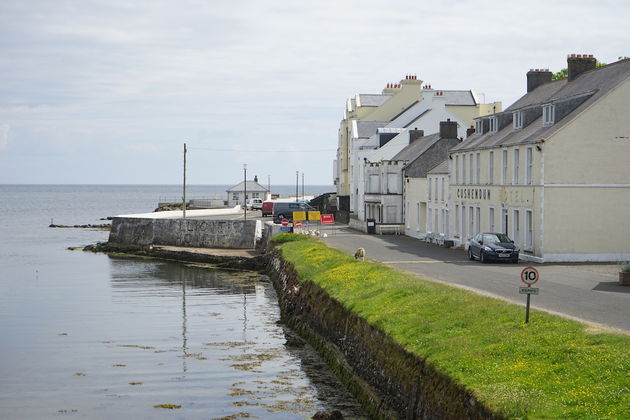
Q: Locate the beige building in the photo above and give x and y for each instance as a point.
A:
(551, 171)
(437, 198)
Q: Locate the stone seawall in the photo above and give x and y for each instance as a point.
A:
(389, 381)
(201, 233)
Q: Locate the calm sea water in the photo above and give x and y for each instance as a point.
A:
(90, 336)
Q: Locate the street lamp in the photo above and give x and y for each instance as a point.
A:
(245, 188)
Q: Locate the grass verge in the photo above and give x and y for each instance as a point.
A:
(551, 368)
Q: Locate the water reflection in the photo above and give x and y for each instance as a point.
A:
(231, 348)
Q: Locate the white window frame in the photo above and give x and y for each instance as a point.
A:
(504, 221)
(516, 226)
(429, 190)
(549, 114)
(491, 219)
(504, 166)
(471, 222)
(443, 181)
(464, 169)
(529, 166)
(417, 216)
(456, 170)
(529, 230)
(491, 167)
(479, 127)
(494, 124)
(517, 120)
(515, 166)
(477, 168)
(471, 169)
(457, 221)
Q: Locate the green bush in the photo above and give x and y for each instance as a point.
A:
(288, 237)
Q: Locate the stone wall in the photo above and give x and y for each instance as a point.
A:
(201, 233)
(388, 380)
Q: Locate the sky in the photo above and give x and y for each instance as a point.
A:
(108, 92)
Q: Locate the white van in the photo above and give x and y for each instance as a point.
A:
(255, 204)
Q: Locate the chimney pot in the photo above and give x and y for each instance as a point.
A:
(537, 77)
(580, 63)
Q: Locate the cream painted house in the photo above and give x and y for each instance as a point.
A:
(552, 170)
(437, 198)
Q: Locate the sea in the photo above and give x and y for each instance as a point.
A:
(92, 336)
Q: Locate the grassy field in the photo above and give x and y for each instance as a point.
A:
(551, 368)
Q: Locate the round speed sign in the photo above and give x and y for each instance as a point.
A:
(529, 275)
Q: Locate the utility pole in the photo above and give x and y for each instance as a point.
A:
(302, 185)
(184, 195)
(269, 185)
(297, 181)
(245, 187)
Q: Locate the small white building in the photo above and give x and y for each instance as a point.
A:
(236, 194)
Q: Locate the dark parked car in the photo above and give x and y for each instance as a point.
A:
(492, 246)
(283, 210)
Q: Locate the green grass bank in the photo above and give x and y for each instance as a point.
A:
(551, 368)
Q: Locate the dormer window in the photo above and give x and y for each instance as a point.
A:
(549, 115)
(494, 125)
(479, 126)
(517, 120)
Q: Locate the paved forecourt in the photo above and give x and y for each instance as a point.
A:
(587, 292)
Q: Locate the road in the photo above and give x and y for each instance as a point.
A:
(586, 292)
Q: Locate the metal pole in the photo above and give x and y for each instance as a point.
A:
(527, 310)
(245, 186)
(297, 181)
(184, 197)
(302, 185)
(269, 185)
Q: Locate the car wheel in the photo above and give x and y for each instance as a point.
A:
(470, 254)
(482, 258)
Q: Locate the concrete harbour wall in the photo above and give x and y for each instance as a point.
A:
(201, 233)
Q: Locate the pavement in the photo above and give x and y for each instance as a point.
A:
(588, 293)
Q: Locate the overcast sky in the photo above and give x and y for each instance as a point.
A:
(107, 92)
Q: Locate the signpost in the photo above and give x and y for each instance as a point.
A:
(327, 219)
(529, 276)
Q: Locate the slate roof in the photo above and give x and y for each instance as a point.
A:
(251, 186)
(459, 97)
(368, 128)
(417, 147)
(571, 98)
(442, 168)
(367, 99)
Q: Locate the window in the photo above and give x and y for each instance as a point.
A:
(504, 164)
(479, 127)
(516, 168)
(471, 179)
(429, 189)
(443, 225)
(494, 124)
(429, 220)
(516, 230)
(504, 221)
(491, 168)
(517, 120)
(491, 219)
(464, 169)
(477, 219)
(477, 167)
(235, 196)
(457, 225)
(471, 222)
(446, 224)
(549, 115)
(436, 189)
(417, 216)
(442, 187)
(529, 167)
(456, 170)
(529, 231)
(436, 226)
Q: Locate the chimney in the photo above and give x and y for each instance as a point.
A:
(470, 131)
(255, 178)
(537, 77)
(448, 129)
(579, 63)
(415, 134)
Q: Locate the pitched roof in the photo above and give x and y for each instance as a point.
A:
(571, 99)
(368, 128)
(417, 147)
(368, 99)
(442, 168)
(251, 186)
(458, 97)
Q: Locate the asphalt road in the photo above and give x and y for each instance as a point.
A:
(586, 292)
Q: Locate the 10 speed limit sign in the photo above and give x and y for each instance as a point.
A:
(529, 275)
